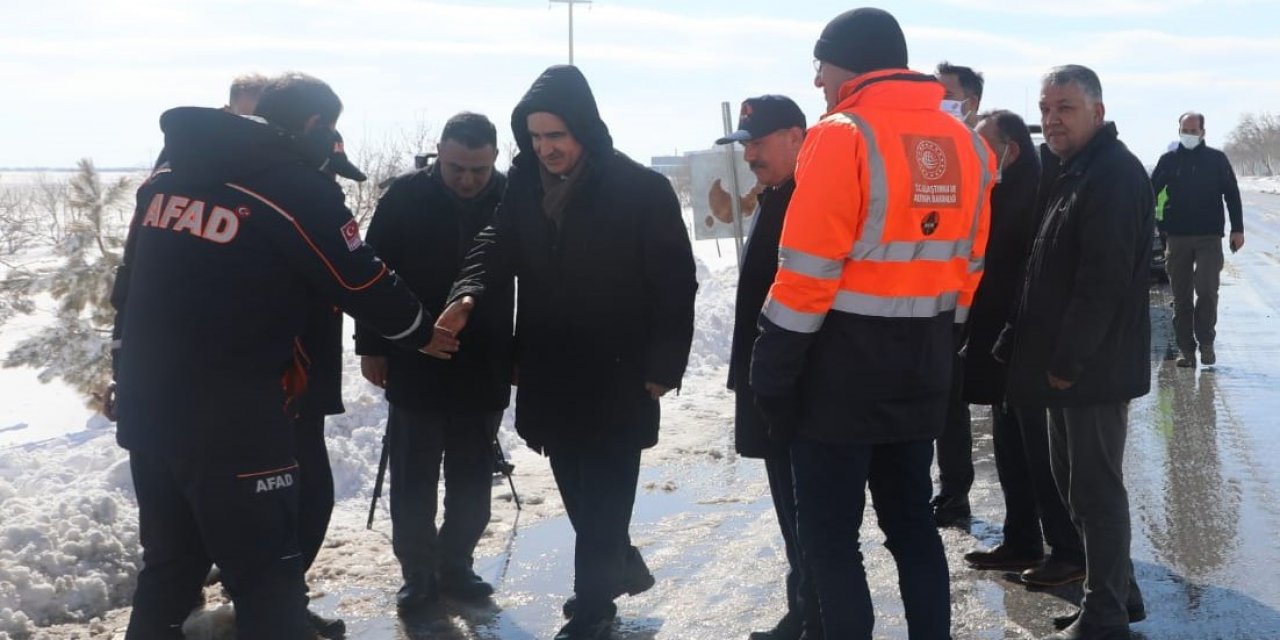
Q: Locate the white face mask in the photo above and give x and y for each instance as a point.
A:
(955, 108)
(1189, 141)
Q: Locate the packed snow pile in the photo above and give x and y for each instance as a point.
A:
(68, 533)
(713, 320)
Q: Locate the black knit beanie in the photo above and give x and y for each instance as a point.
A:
(863, 40)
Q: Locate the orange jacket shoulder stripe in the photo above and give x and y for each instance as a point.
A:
(891, 208)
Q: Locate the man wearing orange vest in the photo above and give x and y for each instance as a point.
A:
(881, 253)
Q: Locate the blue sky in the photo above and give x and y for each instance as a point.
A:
(91, 77)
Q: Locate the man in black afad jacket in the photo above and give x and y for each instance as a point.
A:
(441, 410)
(1195, 180)
(1019, 433)
(1082, 335)
(771, 130)
(603, 325)
(226, 247)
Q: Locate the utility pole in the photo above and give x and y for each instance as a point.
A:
(571, 3)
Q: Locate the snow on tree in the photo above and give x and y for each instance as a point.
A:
(76, 347)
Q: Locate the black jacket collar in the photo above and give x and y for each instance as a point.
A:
(1107, 136)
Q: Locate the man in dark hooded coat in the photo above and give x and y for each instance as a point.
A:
(604, 321)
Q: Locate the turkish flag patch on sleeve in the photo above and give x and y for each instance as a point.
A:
(351, 235)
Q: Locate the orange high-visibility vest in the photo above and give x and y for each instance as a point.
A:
(891, 209)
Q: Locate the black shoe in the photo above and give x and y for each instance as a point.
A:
(790, 627)
(416, 594)
(1136, 614)
(1207, 356)
(327, 628)
(638, 578)
(949, 511)
(1053, 573)
(1081, 630)
(464, 585)
(1003, 557)
(1186, 360)
(594, 624)
(636, 581)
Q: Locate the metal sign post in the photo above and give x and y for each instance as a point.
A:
(736, 195)
(571, 3)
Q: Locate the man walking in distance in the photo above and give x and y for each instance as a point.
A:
(603, 325)
(441, 410)
(1081, 337)
(227, 244)
(1194, 180)
(880, 256)
(771, 130)
(1034, 512)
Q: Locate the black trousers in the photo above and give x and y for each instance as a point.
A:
(420, 441)
(1086, 449)
(598, 486)
(243, 515)
(802, 598)
(831, 483)
(315, 486)
(1032, 505)
(955, 445)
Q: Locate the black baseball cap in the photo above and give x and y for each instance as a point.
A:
(761, 116)
(340, 164)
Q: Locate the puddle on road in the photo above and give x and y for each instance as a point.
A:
(534, 576)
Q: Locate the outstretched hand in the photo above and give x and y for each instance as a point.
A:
(444, 340)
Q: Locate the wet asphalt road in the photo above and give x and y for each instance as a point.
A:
(1204, 495)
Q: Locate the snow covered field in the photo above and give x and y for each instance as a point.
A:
(1261, 185)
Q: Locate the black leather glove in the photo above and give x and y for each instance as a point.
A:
(782, 415)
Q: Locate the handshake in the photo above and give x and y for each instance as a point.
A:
(444, 340)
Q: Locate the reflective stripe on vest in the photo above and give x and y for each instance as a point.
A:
(870, 246)
(894, 306)
(810, 265)
(790, 319)
(981, 148)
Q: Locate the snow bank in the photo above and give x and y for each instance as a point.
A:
(68, 533)
(1261, 185)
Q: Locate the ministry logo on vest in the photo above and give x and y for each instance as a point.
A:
(935, 171)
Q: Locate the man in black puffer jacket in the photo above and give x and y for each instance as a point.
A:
(441, 410)
(228, 245)
(603, 326)
(1081, 337)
